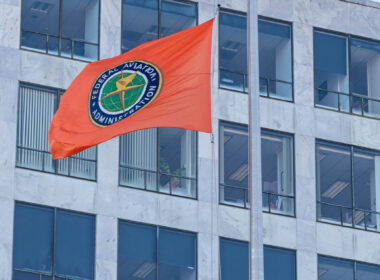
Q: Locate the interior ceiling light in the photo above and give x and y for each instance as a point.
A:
(240, 173)
(41, 7)
(335, 189)
(144, 270)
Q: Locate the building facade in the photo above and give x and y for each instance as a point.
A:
(173, 204)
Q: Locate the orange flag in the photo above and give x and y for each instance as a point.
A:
(162, 83)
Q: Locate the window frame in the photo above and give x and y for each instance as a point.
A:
(290, 24)
(159, 15)
(54, 209)
(220, 251)
(355, 262)
(157, 171)
(245, 75)
(319, 141)
(349, 37)
(60, 36)
(286, 249)
(58, 92)
(157, 228)
(294, 197)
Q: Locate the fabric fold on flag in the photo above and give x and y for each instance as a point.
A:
(161, 83)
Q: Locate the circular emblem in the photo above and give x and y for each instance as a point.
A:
(123, 90)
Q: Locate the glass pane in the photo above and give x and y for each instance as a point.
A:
(142, 179)
(53, 45)
(40, 16)
(275, 52)
(373, 221)
(265, 202)
(21, 275)
(232, 80)
(365, 69)
(234, 260)
(277, 163)
(80, 20)
(81, 165)
(347, 215)
(139, 22)
(66, 48)
(333, 269)
(184, 187)
(233, 195)
(138, 150)
(330, 62)
(371, 108)
(366, 168)
(281, 204)
(334, 174)
(177, 16)
(86, 52)
(332, 214)
(279, 264)
(136, 251)
(280, 90)
(36, 107)
(75, 245)
(326, 99)
(356, 105)
(360, 219)
(33, 238)
(178, 152)
(367, 271)
(177, 255)
(33, 41)
(233, 42)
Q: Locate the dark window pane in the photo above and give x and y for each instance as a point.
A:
(333, 269)
(33, 238)
(178, 158)
(275, 52)
(334, 175)
(234, 260)
(177, 255)
(53, 45)
(22, 275)
(177, 16)
(233, 160)
(139, 22)
(279, 264)
(137, 251)
(40, 16)
(367, 271)
(80, 20)
(277, 163)
(330, 62)
(33, 41)
(66, 48)
(75, 245)
(232, 43)
(233, 80)
(86, 52)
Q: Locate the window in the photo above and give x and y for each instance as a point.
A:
(330, 268)
(234, 259)
(143, 21)
(154, 253)
(279, 264)
(67, 28)
(348, 186)
(277, 169)
(52, 244)
(345, 71)
(277, 166)
(233, 50)
(233, 164)
(275, 52)
(36, 107)
(162, 160)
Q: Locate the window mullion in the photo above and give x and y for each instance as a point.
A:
(60, 28)
(54, 241)
(352, 186)
(157, 248)
(159, 18)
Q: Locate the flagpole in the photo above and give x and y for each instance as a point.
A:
(255, 191)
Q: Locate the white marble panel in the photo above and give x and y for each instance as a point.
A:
(233, 222)
(10, 26)
(280, 231)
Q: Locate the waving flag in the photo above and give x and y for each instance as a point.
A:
(162, 83)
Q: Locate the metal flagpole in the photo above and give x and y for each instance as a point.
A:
(255, 192)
